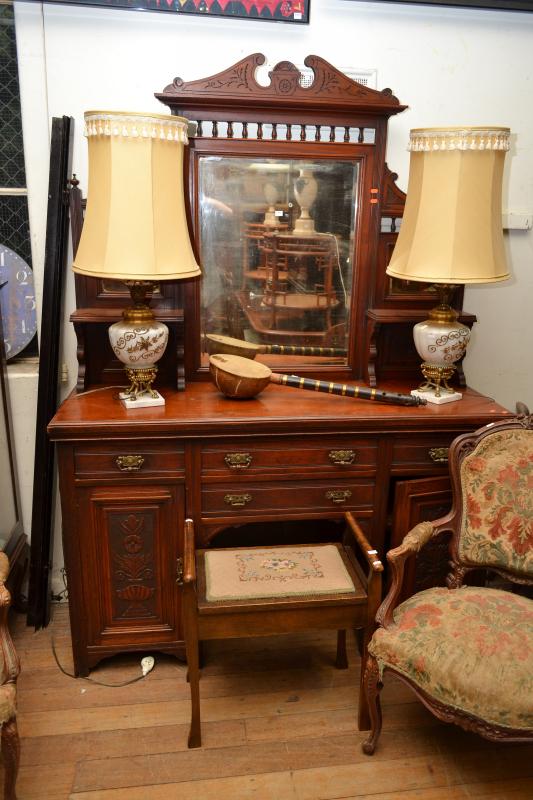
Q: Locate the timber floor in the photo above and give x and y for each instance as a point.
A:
(278, 724)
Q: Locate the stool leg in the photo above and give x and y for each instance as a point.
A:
(190, 630)
(341, 662)
(195, 734)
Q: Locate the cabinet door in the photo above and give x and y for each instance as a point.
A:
(129, 540)
(416, 501)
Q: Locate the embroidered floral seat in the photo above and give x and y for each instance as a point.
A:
(260, 591)
(467, 651)
(441, 638)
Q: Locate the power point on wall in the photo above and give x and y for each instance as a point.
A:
(64, 373)
(518, 221)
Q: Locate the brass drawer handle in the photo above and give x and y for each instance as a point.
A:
(238, 460)
(438, 454)
(342, 457)
(129, 463)
(338, 495)
(237, 500)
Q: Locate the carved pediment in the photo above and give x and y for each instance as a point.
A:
(237, 83)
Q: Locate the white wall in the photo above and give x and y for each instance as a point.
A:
(451, 66)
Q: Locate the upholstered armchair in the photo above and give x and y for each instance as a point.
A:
(9, 670)
(467, 651)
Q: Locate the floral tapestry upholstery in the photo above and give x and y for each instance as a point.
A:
(469, 648)
(8, 700)
(497, 484)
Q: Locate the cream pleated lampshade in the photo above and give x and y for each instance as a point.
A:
(452, 231)
(135, 225)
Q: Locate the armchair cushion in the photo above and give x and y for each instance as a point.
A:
(469, 648)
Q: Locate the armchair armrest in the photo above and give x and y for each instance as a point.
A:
(10, 666)
(4, 567)
(412, 544)
(189, 559)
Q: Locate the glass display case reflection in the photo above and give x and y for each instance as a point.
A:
(277, 247)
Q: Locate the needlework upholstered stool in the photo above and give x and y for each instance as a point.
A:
(261, 591)
(467, 651)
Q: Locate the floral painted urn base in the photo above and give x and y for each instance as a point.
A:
(441, 342)
(139, 340)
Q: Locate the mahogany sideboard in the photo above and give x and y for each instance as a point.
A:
(128, 480)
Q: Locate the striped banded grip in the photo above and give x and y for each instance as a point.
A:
(302, 350)
(328, 387)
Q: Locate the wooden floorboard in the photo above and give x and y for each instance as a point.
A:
(279, 723)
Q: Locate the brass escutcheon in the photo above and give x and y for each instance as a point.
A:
(338, 495)
(129, 463)
(237, 500)
(438, 454)
(238, 460)
(342, 457)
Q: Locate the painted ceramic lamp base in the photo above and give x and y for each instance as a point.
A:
(139, 345)
(440, 341)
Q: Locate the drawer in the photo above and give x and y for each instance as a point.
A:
(335, 456)
(414, 451)
(128, 460)
(287, 498)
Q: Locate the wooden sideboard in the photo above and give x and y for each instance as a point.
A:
(129, 479)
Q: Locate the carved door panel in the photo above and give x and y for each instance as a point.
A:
(424, 499)
(132, 540)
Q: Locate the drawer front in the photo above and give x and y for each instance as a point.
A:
(248, 499)
(129, 460)
(335, 456)
(429, 451)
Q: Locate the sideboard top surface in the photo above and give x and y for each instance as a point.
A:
(202, 411)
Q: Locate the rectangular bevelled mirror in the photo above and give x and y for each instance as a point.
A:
(276, 239)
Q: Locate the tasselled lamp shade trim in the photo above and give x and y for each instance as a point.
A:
(135, 226)
(432, 139)
(136, 126)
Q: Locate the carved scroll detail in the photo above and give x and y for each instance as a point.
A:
(240, 80)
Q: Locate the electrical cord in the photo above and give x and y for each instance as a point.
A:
(146, 669)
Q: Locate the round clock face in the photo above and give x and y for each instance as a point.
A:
(17, 301)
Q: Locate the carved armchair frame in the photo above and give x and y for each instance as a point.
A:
(397, 558)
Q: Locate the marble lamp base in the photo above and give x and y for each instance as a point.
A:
(142, 401)
(438, 399)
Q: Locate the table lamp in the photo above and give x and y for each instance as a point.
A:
(135, 230)
(451, 234)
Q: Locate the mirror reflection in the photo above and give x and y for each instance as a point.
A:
(277, 247)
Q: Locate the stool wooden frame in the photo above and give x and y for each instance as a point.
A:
(203, 620)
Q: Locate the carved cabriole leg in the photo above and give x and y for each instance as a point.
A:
(11, 756)
(372, 688)
(341, 661)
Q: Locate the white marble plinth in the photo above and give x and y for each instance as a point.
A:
(144, 401)
(445, 397)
